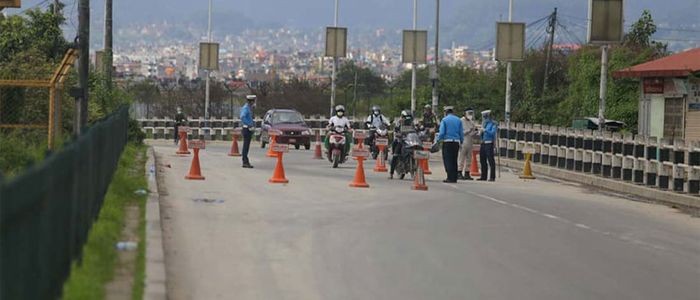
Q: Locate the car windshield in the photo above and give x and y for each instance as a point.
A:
(289, 117)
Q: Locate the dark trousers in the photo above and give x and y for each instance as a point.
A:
(177, 134)
(396, 148)
(247, 137)
(486, 156)
(450, 151)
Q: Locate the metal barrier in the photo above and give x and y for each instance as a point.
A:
(48, 210)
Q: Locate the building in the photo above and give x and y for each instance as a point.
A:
(669, 105)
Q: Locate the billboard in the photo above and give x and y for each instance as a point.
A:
(510, 41)
(605, 21)
(336, 41)
(415, 46)
(209, 56)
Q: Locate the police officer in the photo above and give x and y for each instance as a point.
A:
(465, 158)
(452, 135)
(486, 154)
(248, 127)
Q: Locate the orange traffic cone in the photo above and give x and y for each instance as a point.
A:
(359, 180)
(183, 144)
(234, 147)
(527, 169)
(380, 166)
(195, 171)
(474, 168)
(425, 164)
(273, 141)
(419, 179)
(278, 174)
(318, 153)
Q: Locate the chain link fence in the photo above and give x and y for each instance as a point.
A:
(47, 211)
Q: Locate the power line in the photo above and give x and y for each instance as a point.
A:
(677, 29)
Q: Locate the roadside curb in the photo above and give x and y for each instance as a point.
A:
(155, 288)
(619, 186)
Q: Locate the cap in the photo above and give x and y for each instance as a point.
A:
(427, 106)
(469, 109)
(447, 108)
(251, 97)
(486, 112)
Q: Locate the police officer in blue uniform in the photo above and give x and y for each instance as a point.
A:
(451, 135)
(489, 128)
(248, 127)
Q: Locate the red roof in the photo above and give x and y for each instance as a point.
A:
(677, 65)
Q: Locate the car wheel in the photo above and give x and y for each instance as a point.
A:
(307, 146)
(297, 146)
(262, 144)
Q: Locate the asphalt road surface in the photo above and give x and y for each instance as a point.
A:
(236, 236)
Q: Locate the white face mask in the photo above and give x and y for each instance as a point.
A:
(376, 112)
(340, 114)
(470, 116)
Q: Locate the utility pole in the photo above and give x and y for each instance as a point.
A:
(83, 61)
(552, 27)
(354, 96)
(509, 71)
(603, 88)
(436, 80)
(206, 92)
(335, 62)
(55, 7)
(108, 54)
(413, 65)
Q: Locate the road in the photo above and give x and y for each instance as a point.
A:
(235, 236)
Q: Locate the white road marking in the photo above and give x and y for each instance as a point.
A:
(562, 220)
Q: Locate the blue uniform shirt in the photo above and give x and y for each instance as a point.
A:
(490, 128)
(451, 129)
(247, 116)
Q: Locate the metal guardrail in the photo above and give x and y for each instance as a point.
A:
(666, 164)
(48, 210)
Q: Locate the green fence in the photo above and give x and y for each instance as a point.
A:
(46, 212)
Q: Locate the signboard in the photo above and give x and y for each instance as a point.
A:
(10, 3)
(336, 41)
(197, 144)
(421, 154)
(605, 21)
(407, 128)
(237, 131)
(280, 148)
(274, 132)
(427, 145)
(184, 129)
(359, 134)
(360, 152)
(415, 47)
(209, 56)
(381, 142)
(653, 85)
(510, 41)
(694, 106)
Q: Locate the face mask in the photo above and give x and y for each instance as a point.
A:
(340, 113)
(376, 112)
(470, 116)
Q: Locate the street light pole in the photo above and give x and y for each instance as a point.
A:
(206, 92)
(413, 65)
(603, 88)
(509, 71)
(436, 80)
(335, 63)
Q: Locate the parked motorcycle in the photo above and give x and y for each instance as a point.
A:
(336, 149)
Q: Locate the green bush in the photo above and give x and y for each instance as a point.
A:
(135, 134)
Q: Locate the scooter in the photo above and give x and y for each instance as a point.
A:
(336, 150)
(375, 133)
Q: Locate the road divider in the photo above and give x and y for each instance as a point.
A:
(195, 170)
(278, 175)
(234, 142)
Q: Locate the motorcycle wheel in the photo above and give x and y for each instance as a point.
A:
(336, 161)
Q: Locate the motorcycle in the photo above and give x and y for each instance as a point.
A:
(375, 133)
(410, 143)
(336, 150)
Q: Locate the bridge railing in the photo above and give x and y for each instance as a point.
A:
(666, 164)
(47, 211)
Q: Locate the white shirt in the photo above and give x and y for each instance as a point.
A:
(336, 121)
(378, 121)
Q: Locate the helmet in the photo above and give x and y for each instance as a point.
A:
(427, 106)
(376, 110)
(340, 108)
(406, 114)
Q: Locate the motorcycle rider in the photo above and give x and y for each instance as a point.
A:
(429, 121)
(406, 119)
(470, 131)
(376, 120)
(339, 120)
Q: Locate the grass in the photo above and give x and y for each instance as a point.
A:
(89, 278)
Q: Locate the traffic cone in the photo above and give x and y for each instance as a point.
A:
(273, 141)
(474, 168)
(425, 164)
(278, 174)
(380, 165)
(527, 169)
(419, 180)
(183, 144)
(359, 180)
(195, 171)
(234, 147)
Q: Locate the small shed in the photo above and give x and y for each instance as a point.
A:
(669, 104)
